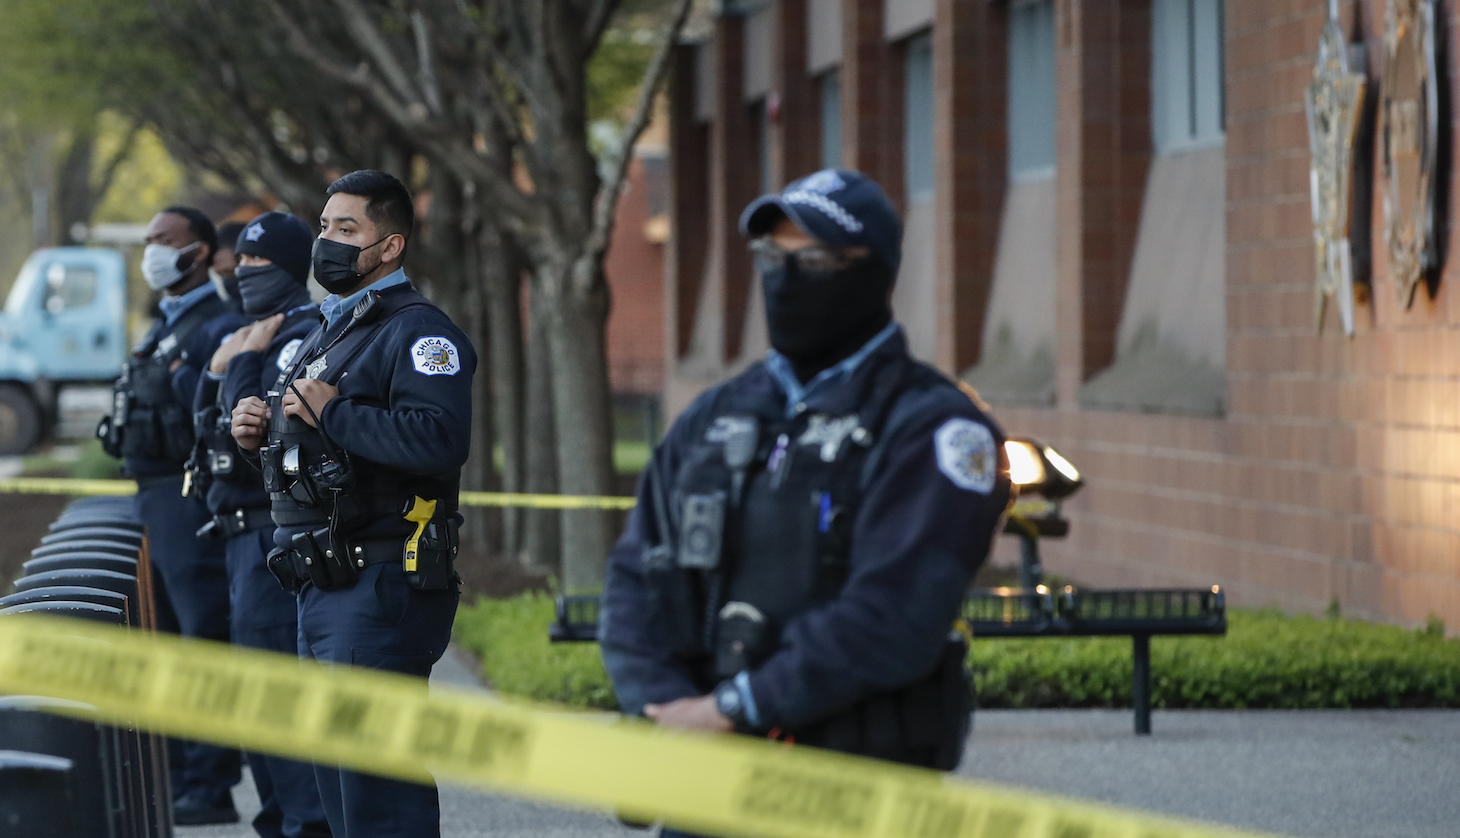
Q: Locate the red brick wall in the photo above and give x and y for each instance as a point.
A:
(1334, 473)
(635, 271)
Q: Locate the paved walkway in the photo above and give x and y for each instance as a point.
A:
(1325, 774)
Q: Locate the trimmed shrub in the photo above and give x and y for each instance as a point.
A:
(510, 637)
(1267, 660)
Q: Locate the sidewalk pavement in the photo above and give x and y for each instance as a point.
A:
(1325, 774)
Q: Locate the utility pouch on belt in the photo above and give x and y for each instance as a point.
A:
(430, 552)
(329, 569)
(281, 564)
(744, 638)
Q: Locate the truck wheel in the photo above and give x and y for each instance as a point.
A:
(20, 420)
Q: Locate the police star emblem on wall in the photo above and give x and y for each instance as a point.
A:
(1335, 101)
(1410, 140)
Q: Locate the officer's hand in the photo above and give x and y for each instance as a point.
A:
(690, 714)
(219, 364)
(262, 334)
(250, 423)
(315, 392)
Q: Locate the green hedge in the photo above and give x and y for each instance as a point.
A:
(510, 637)
(1267, 660)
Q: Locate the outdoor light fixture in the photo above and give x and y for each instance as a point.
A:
(1038, 469)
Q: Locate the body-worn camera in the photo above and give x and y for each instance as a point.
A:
(322, 483)
(702, 531)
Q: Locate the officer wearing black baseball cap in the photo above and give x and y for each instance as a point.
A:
(806, 531)
(273, 269)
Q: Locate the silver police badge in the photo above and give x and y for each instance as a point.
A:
(966, 454)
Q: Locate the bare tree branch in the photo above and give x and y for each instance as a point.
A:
(426, 72)
(600, 12)
(109, 171)
(612, 186)
(367, 36)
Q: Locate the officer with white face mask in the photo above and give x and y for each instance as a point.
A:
(151, 429)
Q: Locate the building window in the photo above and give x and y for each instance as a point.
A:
(831, 119)
(1031, 90)
(1187, 74)
(918, 125)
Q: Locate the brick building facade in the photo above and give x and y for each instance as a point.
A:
(1108, 232)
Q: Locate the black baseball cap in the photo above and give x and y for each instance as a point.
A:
(282, 239)
(838, 207)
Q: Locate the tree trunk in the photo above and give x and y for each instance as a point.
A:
(501, 267)
(542, 538)
(75, 198)
(577, 336)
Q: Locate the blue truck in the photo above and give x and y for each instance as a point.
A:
(64, 325)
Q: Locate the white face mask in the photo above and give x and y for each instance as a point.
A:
(160, 265)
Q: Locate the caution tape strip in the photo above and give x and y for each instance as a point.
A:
(391, 725)
(70, 486)
(66, 486)
(82, 488)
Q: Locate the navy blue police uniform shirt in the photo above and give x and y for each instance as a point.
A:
(197, 350)
(393, 415)
(252, 373)
(915, 546)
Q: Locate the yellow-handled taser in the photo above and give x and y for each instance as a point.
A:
(420, 514)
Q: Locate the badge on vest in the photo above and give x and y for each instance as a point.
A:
(829, 433)
(966, 454)
(286, 355)
(317, 367)
(165, 346)
(435, 356)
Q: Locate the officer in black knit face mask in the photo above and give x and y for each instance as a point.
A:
(806, 531)
(269, 284)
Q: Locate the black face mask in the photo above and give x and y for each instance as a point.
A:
(336, 265)
(816, 320)
(267, 290)
(230, 287)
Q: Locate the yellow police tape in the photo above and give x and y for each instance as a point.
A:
(82, 488)
(66, 486)
(391, 725)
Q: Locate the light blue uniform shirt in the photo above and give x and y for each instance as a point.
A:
(333, 307)
(175, 307)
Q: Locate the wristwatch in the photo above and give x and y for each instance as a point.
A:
(731, 705)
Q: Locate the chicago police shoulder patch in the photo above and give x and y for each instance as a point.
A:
(435, 356)
(966, 454)
(286, 355)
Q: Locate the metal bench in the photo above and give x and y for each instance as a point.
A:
(1138, 613)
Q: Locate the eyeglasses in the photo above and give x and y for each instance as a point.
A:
(814, 260)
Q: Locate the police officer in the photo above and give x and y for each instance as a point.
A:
(273, 254)
(151, 428)
(806, 531)
(361, 447)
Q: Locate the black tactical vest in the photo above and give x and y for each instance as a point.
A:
(147, 421)
(759, 526)
(218, 458)
(301, 466)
